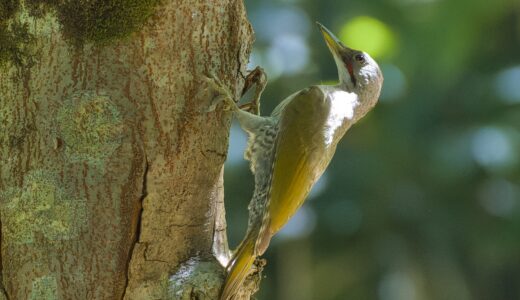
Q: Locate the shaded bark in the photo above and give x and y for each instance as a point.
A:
(111, 168)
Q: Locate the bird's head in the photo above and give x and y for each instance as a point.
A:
(357, 71)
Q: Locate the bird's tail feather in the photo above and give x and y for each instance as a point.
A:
(238, 269)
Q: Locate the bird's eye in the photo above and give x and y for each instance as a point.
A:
(359, 58)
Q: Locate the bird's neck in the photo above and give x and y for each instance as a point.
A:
(344, 85)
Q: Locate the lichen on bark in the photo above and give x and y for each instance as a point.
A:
(90, 126)
(41, 206)
(196, 278)
(44, 287)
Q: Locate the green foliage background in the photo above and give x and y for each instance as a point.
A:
(422, 200)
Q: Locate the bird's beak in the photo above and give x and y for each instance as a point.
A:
(340, 52)
(335, 45)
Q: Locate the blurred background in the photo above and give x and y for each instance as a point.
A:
(422, 200)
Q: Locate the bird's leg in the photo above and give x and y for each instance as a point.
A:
(254, 85)
(250, 122)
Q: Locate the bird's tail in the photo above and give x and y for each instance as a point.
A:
(238, 269)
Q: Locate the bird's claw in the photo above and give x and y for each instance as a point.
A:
(222, 91)
(251, 107)
(254, 85)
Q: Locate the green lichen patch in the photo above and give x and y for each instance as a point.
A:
(90, 126)
(196, 279)
(44, 287)
(41, 207)
(97, 21)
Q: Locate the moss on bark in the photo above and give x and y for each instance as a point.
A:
(15, 44)
(97, 21)
(15, 39)
(8, 8)
(82, 21)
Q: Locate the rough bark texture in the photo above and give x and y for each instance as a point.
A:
(111, 170)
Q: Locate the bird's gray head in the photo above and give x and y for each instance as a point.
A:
(357, 71)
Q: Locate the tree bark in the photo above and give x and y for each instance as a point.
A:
(111, 168)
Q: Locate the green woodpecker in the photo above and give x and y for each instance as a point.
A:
(290, 149)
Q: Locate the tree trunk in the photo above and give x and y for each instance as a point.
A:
(111, 168)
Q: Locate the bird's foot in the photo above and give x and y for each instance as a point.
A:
(253, 87)
(222, 92)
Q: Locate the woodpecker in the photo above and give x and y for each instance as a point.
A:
(289, 150)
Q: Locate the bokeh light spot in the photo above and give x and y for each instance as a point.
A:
(507, 85)
(288, 54)
(370, 35)
(270, 22)
(492, 148)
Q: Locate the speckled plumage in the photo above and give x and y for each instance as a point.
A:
(260, 152)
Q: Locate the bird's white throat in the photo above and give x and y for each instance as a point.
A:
(342, 109)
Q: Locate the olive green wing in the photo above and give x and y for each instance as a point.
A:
(295, 166)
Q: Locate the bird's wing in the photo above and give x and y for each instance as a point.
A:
(295, 165)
